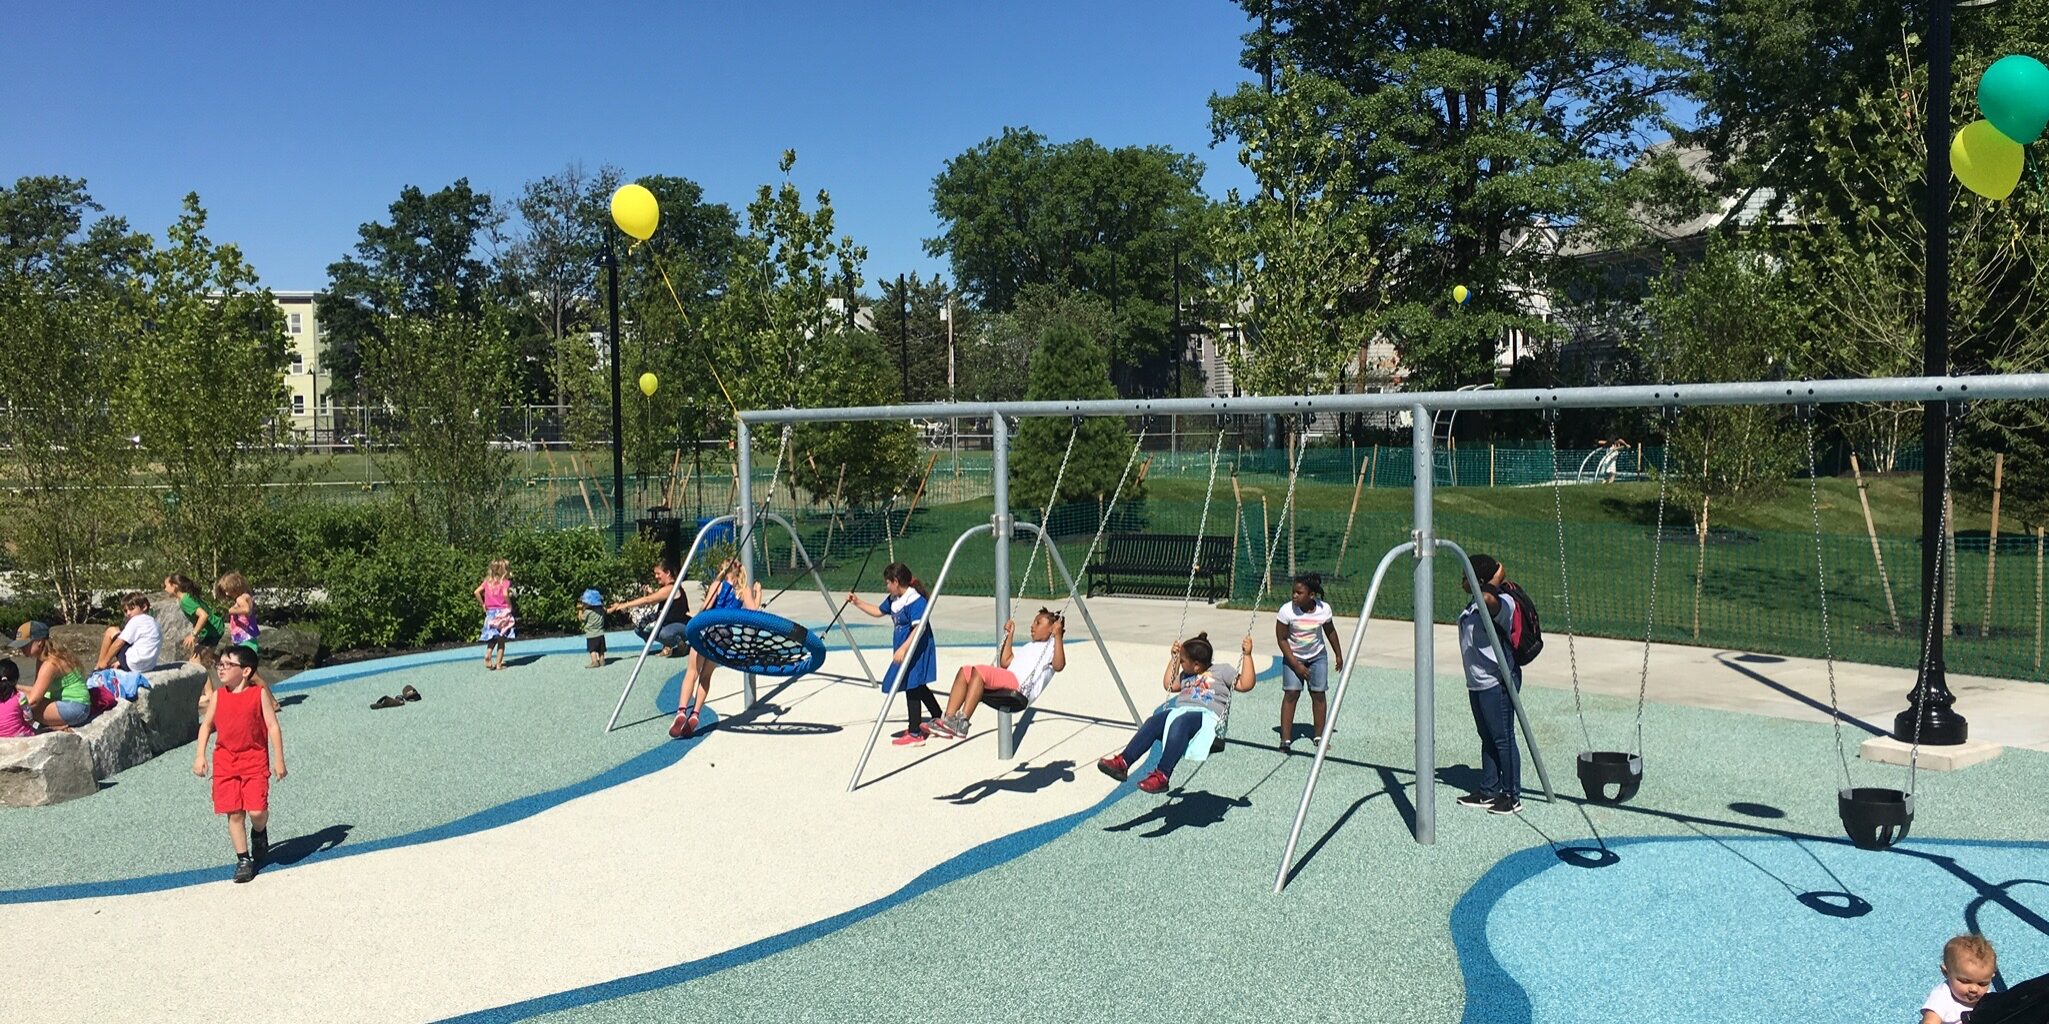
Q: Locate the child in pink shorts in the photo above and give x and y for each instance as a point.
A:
(1017, 678)
(249, 752)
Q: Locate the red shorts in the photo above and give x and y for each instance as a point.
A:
(241, 788)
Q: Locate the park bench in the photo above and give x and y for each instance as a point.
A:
(1153, 563)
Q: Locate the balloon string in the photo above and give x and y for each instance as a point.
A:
(686, 320)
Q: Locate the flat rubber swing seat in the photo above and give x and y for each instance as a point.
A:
(1601, 771)
(755, 641)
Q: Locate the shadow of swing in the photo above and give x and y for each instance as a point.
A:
(1029, 779)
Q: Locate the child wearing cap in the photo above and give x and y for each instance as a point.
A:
(590, 612)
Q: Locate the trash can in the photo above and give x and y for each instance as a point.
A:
(665, 530)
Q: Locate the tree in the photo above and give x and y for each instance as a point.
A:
(551, 270)
(430, 259)
(64, 440)
(878, 457)
(1070, 365)
(695, 244)
(1298, 278)
(1858, 254)
(1482, 145)
(1018, 211)
(1725, 318)
(443, 374)
(920, 353)
(204, 383)
(996, 366)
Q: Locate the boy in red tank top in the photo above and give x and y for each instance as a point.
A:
(249, 751)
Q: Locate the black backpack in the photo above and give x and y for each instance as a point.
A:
(1525, 634)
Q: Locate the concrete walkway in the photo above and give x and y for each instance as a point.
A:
(2008, 712)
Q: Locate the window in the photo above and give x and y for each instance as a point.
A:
(298, 362)
(298, 405)
(295, 323)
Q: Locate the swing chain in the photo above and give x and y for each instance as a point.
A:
(1821, 577)
(1650, 612)
(1046, 517)
(1109, 509)
(1273, 545)
(1565, 584)
(1936, 616)
(1201, 526)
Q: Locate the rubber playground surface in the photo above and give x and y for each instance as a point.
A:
(488, 854)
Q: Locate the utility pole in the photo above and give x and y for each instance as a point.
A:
(618, 438)
(903, 334)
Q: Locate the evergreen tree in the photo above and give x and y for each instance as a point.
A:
(1070, 364)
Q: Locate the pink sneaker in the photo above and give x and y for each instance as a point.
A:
(938, 729)
(1154, 783)
(908, 738)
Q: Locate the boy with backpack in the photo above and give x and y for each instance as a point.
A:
(1514, 618)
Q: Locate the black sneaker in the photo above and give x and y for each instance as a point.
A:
(1506, 805)
(259, 845)
(245, 868)
(1476, 800)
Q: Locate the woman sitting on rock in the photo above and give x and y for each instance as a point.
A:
(58, 698)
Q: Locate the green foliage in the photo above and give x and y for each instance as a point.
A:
(64, 445)
(1071, 364)
(1728, 317)
(444, 374)
(878, 456)
(696, 244)
(1465, 133)
(202, 384)
(995, 366)
(425, 261)
(916, 345)
(1300, 284)
(1018, 211)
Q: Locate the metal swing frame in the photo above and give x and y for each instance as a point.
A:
(1006, 733)
(683, 572)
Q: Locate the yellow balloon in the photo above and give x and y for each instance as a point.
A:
(635, 211)
(1459, 294)
(648, 383)
(1985, 160)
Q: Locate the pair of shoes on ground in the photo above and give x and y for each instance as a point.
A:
(404, 697)
(684, 727)
(1493, 803)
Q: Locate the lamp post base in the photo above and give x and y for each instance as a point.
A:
(1940, 725)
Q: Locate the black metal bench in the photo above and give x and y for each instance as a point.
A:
(1157, 564)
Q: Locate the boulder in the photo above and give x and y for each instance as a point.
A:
(289, 648)
(81, 639)
(117, 739)
(169, 709)
(171, 622)
(46, 769)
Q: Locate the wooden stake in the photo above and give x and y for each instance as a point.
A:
(1892, 610)
(834, 522)
(1490, 463)
(587, 509)
(1357, 486)
(1992, 541)
(1237, 523)
(1700, 564)
(1373, 468)
(669, 491)
(920, 492)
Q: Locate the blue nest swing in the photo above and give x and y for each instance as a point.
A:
(755, 641)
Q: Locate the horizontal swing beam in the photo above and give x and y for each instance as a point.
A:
(1882, 389)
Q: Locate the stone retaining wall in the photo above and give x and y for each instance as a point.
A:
(60, 766)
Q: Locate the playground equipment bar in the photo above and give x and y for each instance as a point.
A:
(1420, 406)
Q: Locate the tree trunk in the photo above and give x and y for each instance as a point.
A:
(1892, 610)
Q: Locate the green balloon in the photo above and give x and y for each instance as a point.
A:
(2013, 94)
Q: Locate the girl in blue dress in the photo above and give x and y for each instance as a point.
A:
(905, 606)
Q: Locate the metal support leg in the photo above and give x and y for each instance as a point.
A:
(1001, 525)
(1337, 703)
(1424, 539)
(917, 635)
(1503, 657)
(682, 573)
(746, 526)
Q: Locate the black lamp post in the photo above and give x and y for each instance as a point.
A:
(611, 258)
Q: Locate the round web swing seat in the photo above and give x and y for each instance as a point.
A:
(755, 641)
(1875, 818)
(1603, 771)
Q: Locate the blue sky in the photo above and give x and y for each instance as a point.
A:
(295, 123)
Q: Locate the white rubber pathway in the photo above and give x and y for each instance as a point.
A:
(641, 876)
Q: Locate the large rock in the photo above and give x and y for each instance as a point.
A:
(116, 740)
(81, 639)
(171, 622)
(46, 769)
(289, 648)
(169, 709)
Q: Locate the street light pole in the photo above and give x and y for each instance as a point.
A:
(1929, 717)
(618, 438)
